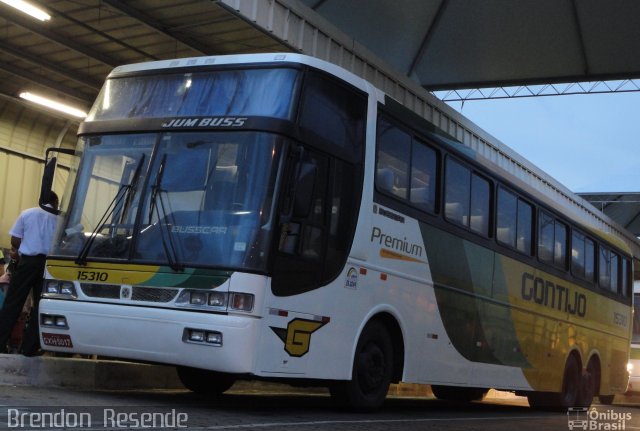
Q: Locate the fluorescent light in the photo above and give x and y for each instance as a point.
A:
(28, 9)
(53, 104)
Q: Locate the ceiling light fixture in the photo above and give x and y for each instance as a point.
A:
(52, 104)
(28, 9)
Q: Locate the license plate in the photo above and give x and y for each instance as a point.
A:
(57, 340)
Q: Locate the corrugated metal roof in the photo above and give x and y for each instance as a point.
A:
(69, 56)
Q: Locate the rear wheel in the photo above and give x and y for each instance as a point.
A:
(205, 382)
(571, 388)
(588, 385)
(571, 385)
(372, 371)
(463, 395)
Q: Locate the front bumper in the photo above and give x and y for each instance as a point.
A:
(152, 334)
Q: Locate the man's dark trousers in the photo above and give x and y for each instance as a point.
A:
(26, 278)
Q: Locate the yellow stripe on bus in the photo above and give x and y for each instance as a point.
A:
(388, 254)
(102, 272)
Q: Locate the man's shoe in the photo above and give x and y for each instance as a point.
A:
(31, 353)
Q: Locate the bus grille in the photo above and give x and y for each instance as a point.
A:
(147, 294)
(153, 294)
(101, 290)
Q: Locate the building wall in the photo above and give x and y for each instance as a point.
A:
(25, 134)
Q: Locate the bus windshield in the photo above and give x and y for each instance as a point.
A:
(205, 199)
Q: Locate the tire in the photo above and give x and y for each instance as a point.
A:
(461, 395)
(560, 401)
(571, 385)
(205, 382)
(588, 386)
(372, 371)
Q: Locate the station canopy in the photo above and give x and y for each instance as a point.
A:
(453, 44)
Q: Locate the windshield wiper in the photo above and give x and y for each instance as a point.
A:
(157, 205)
(125, 194)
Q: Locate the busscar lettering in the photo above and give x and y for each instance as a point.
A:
(205, 230)
(181, 123)
(552, 295)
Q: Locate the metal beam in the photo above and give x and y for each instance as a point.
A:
(317, 4)
(122, 7)
(48, 65)
(427, 37)
(564, 89)
(45, 82)
(578, 27)
(103, 34)
(64, 41)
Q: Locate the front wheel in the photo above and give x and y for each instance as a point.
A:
(372, 371)
(205, 382)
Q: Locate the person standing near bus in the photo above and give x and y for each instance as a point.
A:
(31, 237)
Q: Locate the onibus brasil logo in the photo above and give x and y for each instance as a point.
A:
(592, 419)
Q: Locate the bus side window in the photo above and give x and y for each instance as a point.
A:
(506, 219)
(545, 237)
(589, 260)
(334, 112)
(524, 237)
(467, 197)
(578, 254)
(560, 245)
(423, 177)
(457, 192)
(394, 152)
(604, 268)
(624, 278)
(614, 273)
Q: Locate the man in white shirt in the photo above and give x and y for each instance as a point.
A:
(31, 236)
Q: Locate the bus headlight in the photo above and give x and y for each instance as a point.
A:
(198, 298)
(59, 289)
(56, 321)
(215, 300)
(629, 367)
(218, 299)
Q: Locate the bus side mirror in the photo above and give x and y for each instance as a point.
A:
(47, 182)
(305, 182)
(47, 178)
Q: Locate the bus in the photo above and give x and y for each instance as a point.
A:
(634, 359)
(274, 216)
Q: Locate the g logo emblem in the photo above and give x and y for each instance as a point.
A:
(297, 336)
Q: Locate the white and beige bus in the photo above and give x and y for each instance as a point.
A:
(274, 216)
